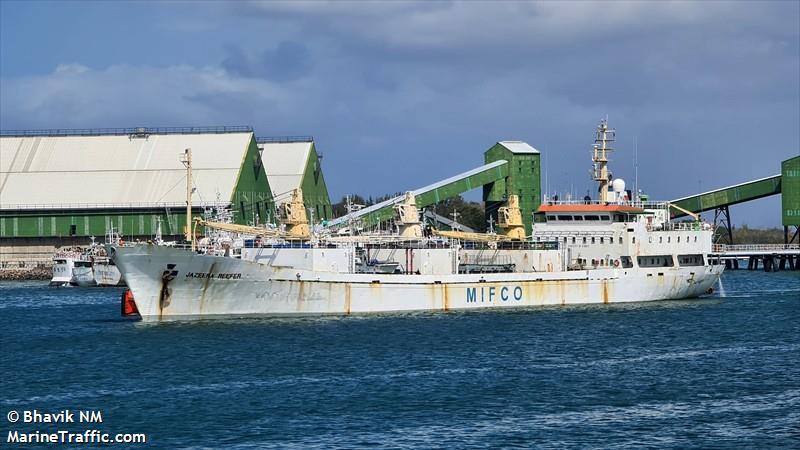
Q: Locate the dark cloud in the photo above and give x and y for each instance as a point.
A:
(710, 90)
(288, 61)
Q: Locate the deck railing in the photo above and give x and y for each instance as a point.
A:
(635, 204)
(725, 248)
(135, 131)
(130, 205)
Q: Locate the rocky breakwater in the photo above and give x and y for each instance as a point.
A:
(26, 273)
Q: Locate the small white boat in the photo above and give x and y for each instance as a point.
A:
(82, 273)
(88, 266)
(63, 263)
(106, 272)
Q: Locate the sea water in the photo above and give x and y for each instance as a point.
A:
(712, 372)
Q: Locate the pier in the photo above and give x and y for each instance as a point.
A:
(770, 257)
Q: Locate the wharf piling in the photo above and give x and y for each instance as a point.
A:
(769, 257)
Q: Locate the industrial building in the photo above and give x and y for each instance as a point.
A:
(790, 198)
(523, 179)
(59, 187)
(511, 167)
(292, 163)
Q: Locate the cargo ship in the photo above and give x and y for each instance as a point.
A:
(610, 250)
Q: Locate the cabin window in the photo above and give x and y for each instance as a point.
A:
(633, 240)
(73, 229)
(656, 261)
(695, 238)
(565, 239)
(690, 260)
(591, 217)
(679, 239)
(620, 240)
(601, 240)
(573, 239)
(564, 217)
(669, 239)
(687, 239)
(603, 217)
(661, 239)
(626, 261)
(551, 217)
(592, 239)
(584, 239)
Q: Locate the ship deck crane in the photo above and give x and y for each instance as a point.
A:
(685, 211)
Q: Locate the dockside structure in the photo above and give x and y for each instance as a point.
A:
(293, 162)
(59, 187)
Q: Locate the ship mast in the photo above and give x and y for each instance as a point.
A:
(186, 159)
(604, 139)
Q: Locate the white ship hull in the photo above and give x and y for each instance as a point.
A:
(83, 276)
(62, 272)
(106, 274)
(172, 283)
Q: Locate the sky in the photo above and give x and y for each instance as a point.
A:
(402, 94)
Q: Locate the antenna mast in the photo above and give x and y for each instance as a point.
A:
(635, 168)
(604, 139)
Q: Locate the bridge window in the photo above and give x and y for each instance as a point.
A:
(564, 217)
(603, 217)
(551, 217)
(577, 217)
(590, 217)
